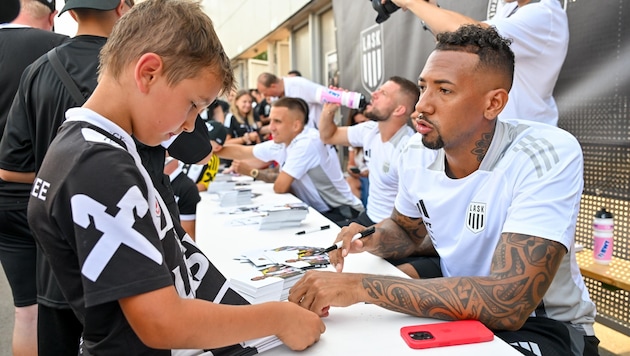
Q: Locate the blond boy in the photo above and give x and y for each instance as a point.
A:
(109, 237)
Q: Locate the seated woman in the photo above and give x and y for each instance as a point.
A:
(240, 121)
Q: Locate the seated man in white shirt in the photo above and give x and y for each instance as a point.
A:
(308, 168)
(382, 139)
(496, 200)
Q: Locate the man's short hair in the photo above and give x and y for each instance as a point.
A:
(266, 79)
(293, 104)
(493, 50)
(409, 90)
(176, 30)
(36, 8)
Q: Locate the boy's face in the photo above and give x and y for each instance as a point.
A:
(173, 109)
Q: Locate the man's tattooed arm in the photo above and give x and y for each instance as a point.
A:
(401, 236)
(522, 269)
(268, 175)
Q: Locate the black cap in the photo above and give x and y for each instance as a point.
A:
(103, 5)
(216, 131)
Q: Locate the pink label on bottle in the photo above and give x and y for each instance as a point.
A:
(603, 227)
(330, 96)
(602, 248)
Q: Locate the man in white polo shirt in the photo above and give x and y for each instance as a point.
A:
(382, 140)
(308, 168)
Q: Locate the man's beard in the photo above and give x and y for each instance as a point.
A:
(374, 116)
(435, 144)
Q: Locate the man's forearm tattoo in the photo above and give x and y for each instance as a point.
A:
(268, 175)
(522, 270)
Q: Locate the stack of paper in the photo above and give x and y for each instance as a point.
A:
(267, 284)
(281, 216)
(276, 271)
(235, 197)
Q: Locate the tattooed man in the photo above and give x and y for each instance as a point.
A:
(493, 202)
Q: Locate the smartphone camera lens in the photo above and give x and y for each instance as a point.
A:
(421, 335)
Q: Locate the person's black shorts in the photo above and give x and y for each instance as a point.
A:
(363, 219)
(18, 253)
(547, 337)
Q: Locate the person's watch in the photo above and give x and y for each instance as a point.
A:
(253, 173)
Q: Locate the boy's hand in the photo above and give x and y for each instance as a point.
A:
(301, 329)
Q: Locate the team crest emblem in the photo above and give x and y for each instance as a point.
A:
(372, 66)
(476, 217)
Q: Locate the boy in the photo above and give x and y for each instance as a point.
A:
(109, 238)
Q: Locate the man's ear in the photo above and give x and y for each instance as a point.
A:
(147, 70)
(496, 101)
(120, 9)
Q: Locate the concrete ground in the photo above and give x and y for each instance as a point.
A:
(612, 342)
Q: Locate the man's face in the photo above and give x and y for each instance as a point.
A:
(270, 91)
(451, 104)
(283, 124)
(384, 102)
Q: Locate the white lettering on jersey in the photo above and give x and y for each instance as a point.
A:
(40, 189)
(116, 230)
(476, 217)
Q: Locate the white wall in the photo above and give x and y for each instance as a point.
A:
(242, 23)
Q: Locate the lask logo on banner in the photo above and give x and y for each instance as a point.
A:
(372, 66)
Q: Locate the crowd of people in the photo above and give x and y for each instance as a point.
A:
(106, 145)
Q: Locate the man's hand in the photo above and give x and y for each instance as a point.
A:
(240, 167)
(318, 290)
(337, 256)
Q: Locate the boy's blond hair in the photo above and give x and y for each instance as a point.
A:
(176, 30)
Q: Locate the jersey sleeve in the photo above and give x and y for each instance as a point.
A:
(529, 28)
(268, 151)
(301, 157)
(548, 184)
(357, 133)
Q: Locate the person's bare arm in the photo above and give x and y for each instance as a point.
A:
(283, 183)
(231, 151)
(522, 269)
(17, 177)
(164, 320)
(329, 132)
(436, 18)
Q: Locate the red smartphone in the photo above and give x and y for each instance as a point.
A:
(446, 334)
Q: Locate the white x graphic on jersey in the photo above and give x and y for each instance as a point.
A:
(117, 230)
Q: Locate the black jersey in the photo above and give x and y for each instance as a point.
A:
(108, 235)
(39, 108)
(19, 47)
(236, 128)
